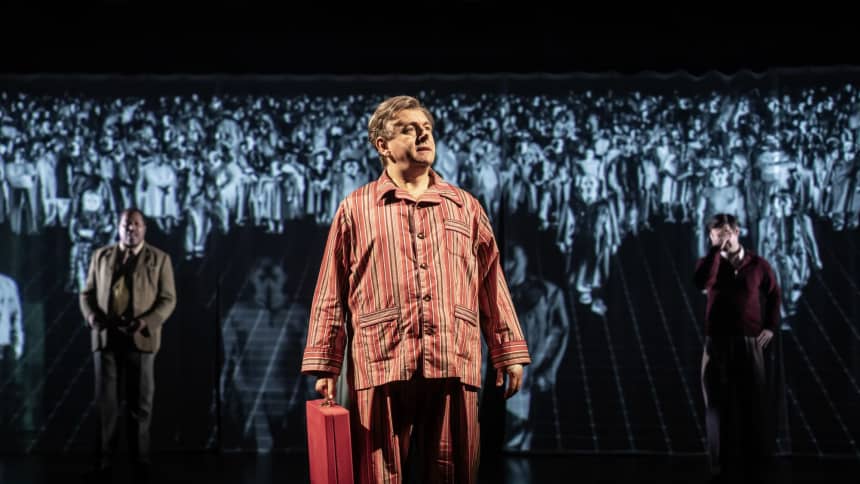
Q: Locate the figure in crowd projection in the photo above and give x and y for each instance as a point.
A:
(351, 176)
(46, 163)
(648, 190)
(12, 344)
(670, 173)
(89, 229)
(293, 181)
(774, 170)
(483, 164)
(721, 195)
(157, 192)
(541, 308)
(264, 330)
(4, 190)
(623, 184)
(202, 211)
(787, 239)
(267, 199)
(448, 165)
(226, 179)
(842, 199)
(12, 335)
(319, 189)
(597, 240)
(23, 182)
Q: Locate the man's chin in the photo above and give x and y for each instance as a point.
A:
(424, 156)
(423, 164)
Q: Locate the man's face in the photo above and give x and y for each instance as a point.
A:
(411, 142)
(720, 234)
(132, 230)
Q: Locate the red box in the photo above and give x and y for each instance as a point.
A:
(329, 444)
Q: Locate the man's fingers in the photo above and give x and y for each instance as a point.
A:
(764, 338)
(513, 385)
(500, 378)
(515, 373)
(325, 387)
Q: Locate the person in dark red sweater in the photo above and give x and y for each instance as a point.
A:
(741, 314)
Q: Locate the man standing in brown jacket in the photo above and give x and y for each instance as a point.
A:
(129, 293)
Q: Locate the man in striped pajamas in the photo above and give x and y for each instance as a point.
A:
(411, 276)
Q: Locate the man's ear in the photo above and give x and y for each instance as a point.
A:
(381, 145)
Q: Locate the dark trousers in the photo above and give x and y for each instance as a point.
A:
(124, 375)
(735, 391)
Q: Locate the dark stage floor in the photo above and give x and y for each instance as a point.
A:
(284, 468)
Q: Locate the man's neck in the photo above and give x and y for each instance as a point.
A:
(734, 256)
(134, 250)
(416, 181)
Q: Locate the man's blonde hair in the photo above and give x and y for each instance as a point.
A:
(377, 127)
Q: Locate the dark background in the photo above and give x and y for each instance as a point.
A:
(464, 36)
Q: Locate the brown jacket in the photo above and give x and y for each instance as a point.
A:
(153, 288)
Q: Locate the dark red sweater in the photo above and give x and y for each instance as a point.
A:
(743, 301)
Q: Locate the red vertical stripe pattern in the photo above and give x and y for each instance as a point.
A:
(415, 283)
(443, 415)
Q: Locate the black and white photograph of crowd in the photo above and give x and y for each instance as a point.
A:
(591, 167)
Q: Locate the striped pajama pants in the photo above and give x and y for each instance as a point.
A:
(439, 415)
